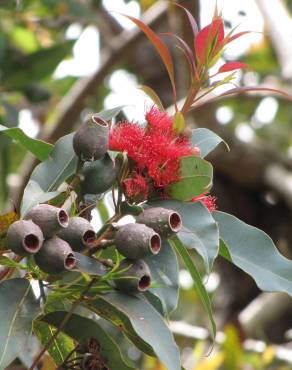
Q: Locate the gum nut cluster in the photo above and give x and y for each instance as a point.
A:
(90, 144)
(138, 240)
(51, 236)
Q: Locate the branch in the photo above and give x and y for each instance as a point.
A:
(279, 25)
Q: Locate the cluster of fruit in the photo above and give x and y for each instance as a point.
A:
(48, 233)
(138, 240)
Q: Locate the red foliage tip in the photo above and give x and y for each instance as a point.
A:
(208, 200)
(209, 40)
(231, 66)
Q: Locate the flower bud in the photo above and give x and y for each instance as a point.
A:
(99, 176)
(49, 218)
(55, 256)
(79, 234)
(135, 276)
(135, 241)
(24, 237)
(90, 142)
(164, 221)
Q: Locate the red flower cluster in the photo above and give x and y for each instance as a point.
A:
(208, 200)
(155, 148)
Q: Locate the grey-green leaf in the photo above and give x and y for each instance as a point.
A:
(254, 252)
(89, 265)
(61, 164)
(108, 114)
(39, 148)
(164, 271)
(199, 286)
(33, 195)
(206, 140)
(18, 307)
(196, 177)
(81, 329)
(136, 315)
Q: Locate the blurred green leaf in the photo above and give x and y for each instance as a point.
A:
(39, 148)
(34, 67)
(89, 265)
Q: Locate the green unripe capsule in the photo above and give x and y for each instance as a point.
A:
(136, 276)
(55, 256)
(164, 221)
(49, 218)
(99, 176)
(90, 142)
(24, 237)
(136, 241)
(79, 234)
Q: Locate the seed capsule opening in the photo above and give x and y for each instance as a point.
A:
(63, 218)
(70, 261)
(99, 121)
(89, 237)
(155, 243)
(31, 242)
(175, 222)
(144, 283)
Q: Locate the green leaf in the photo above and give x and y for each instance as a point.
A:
(61, 164)
(38, 148)
(81, 329)
(199, 229)
(35, 66)
(33, 195)
(18, 307)
(164, 271)
(179, 122)
(195, 178)
(143, 325)
(206, 140)
(61, 346)
(255, 253)
(200, 288)
(152, 95)
(89, 265)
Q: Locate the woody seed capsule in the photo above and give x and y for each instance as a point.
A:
(137, 241)
(49, 218)
(24, 237)
(79, 234)
(164, 221)
(55, 256)
(136, 276)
